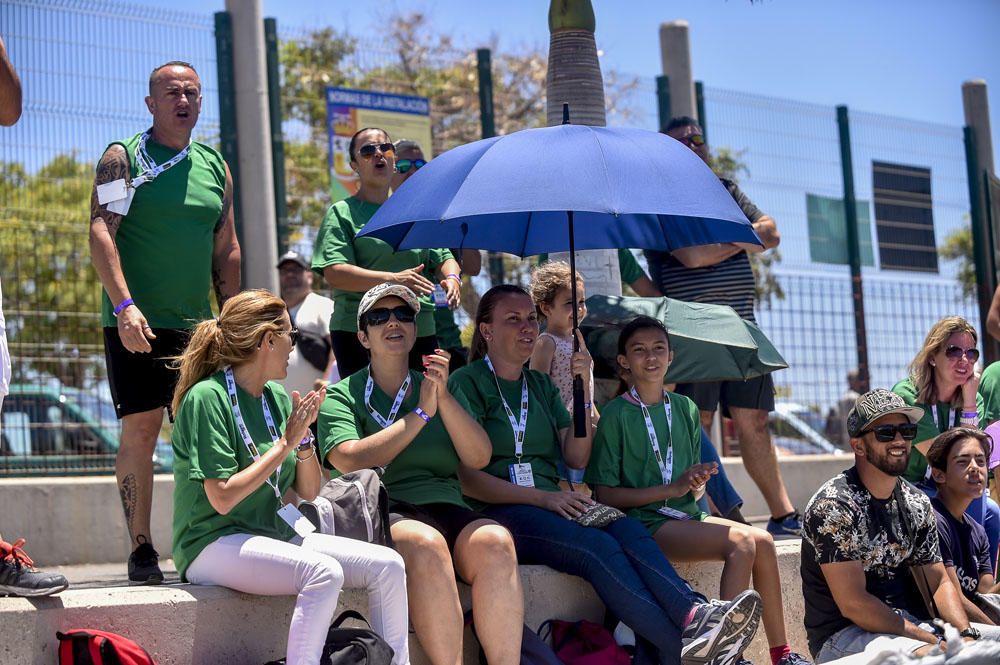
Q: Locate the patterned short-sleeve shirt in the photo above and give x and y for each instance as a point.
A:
(844, 522)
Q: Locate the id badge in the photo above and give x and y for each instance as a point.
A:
(115, 190)
(673, 513)
(520, 474)
(294, 518)
(439, 296)
(121, 206)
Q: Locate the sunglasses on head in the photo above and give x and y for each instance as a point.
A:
(404, 165)
(887, 433)
(380, 315)
(956, 352)
(368, 150)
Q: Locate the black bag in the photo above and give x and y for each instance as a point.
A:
(534, 650)
(354, 505)
(352, 646)
(314, 348)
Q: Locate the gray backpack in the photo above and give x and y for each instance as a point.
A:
(354, 505)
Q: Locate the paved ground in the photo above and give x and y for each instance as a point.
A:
(100, 575)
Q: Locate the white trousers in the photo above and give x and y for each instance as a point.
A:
(315, 571)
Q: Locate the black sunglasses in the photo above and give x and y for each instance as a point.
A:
(887, 433)
(293, 335)
(380, 315)
(368, 150)
(403, 165)
(956, 352)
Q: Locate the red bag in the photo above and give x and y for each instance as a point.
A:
(98, 647)
(584, 643)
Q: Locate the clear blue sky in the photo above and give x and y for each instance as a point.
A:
(898, 57)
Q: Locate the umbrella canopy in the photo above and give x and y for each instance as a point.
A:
(710, 342)
(625, 188)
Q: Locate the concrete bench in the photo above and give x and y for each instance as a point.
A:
(182, 624)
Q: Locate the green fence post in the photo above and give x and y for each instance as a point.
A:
(277, 138)
(227, 114)
(699, 100)
(484, 67)
(853, 246)
(663, 100)
(981, 243)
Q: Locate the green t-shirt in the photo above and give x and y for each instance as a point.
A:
(989, 391)
(165, 241)
(427, 469)
(628, 266)
(546, 416)
(337, 244)
(449, 336)
(929, 426)
(623, 455)
(208, 445)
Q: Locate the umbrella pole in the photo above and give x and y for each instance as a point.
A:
(579, 412)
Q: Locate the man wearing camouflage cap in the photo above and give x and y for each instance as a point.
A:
(863, 533)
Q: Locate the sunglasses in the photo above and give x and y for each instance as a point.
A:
(956, 352)
(293, 334)
(380, 315)
(887, 433)
(403, 165)
(694, 140)
(368, 150)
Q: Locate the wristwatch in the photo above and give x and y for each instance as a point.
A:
(972, 632)
(306, 442)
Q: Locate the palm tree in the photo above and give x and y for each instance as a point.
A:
(574, 78)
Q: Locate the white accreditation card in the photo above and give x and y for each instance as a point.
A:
(520, 474)
(673, 513)
(122, 205)
(115, 190)
(294, 518)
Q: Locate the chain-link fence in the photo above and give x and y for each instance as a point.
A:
(84, 68)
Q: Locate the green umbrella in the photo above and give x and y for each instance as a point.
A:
(710, 342)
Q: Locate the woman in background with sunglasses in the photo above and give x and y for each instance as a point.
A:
(352, 265)
(419, 428)
(944, 383)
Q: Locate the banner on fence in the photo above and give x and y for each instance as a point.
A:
(347, 111)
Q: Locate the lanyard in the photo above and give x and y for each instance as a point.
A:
(150, 169)
(666, 466)
(947, 422)
(245, 433)
(400, 394)
(519, 427)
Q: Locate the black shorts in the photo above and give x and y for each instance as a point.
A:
(447, 518)
(351, 356)
(755, 393)
(143, 381)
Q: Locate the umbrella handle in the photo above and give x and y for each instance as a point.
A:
(579, 412)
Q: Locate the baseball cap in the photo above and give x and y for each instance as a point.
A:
(877, 403)
(293, 256)
(384, 290)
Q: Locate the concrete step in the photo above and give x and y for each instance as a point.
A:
(182, 624)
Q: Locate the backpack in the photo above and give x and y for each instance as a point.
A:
(534, 650)
(584, 643)
(352, 646)
(98, 647)
(354, 505)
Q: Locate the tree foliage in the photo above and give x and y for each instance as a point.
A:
(957, 246)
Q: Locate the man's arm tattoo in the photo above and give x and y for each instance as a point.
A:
(219, 284)
(113, 166)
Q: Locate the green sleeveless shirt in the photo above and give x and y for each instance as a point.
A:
(165, 241)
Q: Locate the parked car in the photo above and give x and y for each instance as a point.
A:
(48, 429)
(795, 430)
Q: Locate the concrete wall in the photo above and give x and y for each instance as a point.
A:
(79, 520)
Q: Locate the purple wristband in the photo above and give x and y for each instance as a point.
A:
(423, 414)
(122, 305)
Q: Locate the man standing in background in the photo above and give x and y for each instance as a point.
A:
(312, 356)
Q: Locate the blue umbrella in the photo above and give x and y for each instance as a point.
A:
(563, 188)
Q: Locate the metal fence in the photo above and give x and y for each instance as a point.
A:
(84, 67)
(85, 64)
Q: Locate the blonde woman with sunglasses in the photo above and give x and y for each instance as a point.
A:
(944, 382)
(352, 265)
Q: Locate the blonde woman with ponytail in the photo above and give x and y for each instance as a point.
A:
(240, 444)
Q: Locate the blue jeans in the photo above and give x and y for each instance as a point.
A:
(984, 510)
(723, 494)
(622, 562)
